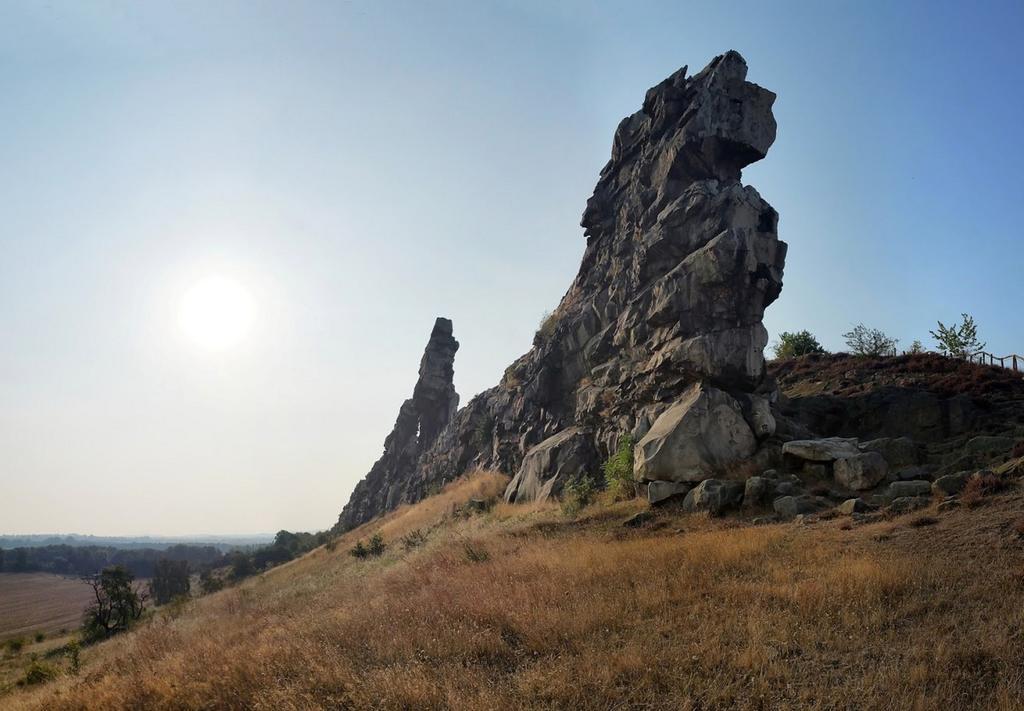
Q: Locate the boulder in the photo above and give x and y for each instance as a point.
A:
(758, 491)
(641, 518)
(548, 466)
(788, 507)
(950, 484)
(860, 471)
(701, 434)
(900, 489)
(714, 496)
(659, 491)
(852, 506)
(905, 504)
(898, 452)
(821, 450)
(985, 447)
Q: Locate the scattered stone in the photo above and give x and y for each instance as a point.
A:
(899, 489)
(641, 518)
(788, 507)
(758, 491)
(764, 520)
(786, 488)
(861, 471)
(852, 506)
(904, 504)
(822, 450)
(660, 491)
(950, 484)
(913, 473)
(714, 496)
(770, 474)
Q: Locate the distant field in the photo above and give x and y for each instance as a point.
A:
(40, 602)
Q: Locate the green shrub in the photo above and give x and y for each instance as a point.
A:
(916, 347)
(960, 340)
(376, 546)
(475, 555)
(73, 649)
(548, 324)
(618, 470)
(40, 637)
(791, 345)
(38, 673)
(15, 645)
(871, 342)
(576, 494)
(413, 539)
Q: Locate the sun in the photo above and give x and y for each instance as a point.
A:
(216, 313)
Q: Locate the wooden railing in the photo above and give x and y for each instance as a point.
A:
(1012, 361)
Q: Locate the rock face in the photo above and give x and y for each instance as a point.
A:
(861, 471)
(420, 419)
(665, 314)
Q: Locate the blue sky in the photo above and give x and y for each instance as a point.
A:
(364, 167)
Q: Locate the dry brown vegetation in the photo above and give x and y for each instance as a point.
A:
(689, 613)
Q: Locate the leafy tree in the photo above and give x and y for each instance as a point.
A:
(864, 341)
(117, 603)
(171, 579)
(959, 340)
(241, 565)
(791, 345)
(210, 583)
(916, 347)
(618, 470)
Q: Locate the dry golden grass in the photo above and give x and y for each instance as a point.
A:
(691, 613)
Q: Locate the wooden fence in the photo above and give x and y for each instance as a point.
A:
(1012, 361)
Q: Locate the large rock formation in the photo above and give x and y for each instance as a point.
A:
(420, 419)
(659, 336)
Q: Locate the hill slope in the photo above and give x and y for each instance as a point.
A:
(518, 607)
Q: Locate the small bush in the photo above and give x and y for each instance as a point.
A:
(15, 645)
(577, 494)
(374, 547)
(475, 555)
(916, 348)
(377, 546)
(921, 521)
(39, 637)
(413, 539)
(331, 544)
(38, 673)
(791, 345)
(618, 471)
(73, 649)
(870, 342)
(548, 324)
(959, 340)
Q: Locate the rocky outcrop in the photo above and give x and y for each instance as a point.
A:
(661, 330)
(420, 419)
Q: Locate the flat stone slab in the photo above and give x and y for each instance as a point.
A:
(822, 450)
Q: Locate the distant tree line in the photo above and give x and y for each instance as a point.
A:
(89, 560)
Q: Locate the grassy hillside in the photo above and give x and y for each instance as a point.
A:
(526, 608)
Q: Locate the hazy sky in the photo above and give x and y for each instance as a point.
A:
(362, 167)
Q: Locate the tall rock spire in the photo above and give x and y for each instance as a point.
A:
(420, 419)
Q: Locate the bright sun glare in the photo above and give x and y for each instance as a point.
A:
(216, 312)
